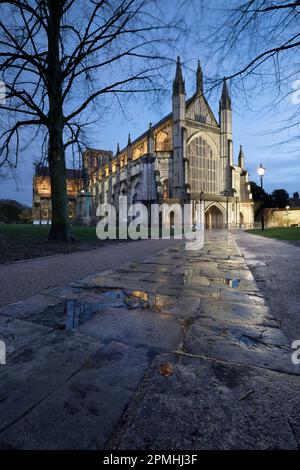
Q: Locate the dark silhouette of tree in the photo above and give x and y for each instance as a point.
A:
(258, 193)
(10, 211)
(280, 198)
(260, 197)
(59, 59)
(260, 39)
(296, 196)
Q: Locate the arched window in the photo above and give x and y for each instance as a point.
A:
(162, 141)
(137, 152)
(201, 166)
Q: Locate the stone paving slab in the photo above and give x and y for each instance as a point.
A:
(241, 344)
(26, 308)
(89, 376)
(38, 369)
(252, 298)
(208, 404)
(17, 333)
(237, 312)
(139, 327)
(83, 411)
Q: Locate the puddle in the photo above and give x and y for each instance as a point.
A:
(79, 311)
(245, 340)
(249, 341)
(234, 283)
(137, 299)
(108, 296)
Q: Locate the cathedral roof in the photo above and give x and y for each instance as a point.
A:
(71, 173)
(146, 133)
(179, 87)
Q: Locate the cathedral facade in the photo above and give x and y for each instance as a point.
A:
(185, 157)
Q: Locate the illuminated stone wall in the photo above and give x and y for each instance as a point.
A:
(282, 217)
(42, 197)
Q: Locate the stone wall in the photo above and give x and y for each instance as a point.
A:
(282, 217)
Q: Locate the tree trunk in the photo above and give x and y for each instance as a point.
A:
(60, 228)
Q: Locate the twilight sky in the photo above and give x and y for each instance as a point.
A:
(253, 126)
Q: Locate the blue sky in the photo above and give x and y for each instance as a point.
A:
(252, 126)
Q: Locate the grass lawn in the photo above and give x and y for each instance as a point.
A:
(281, 233)
(83, 234)
(24, 241)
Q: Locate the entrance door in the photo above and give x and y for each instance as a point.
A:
(214, 218)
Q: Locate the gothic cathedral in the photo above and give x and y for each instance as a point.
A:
(186, 156)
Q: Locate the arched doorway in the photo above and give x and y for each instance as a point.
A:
(214, 218)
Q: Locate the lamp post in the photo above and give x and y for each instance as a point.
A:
(287, 215)
(261, 173)
(227, 194)
(202, 209)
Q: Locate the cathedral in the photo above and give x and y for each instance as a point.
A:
(185, 157)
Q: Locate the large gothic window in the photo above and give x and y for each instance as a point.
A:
(201, 166)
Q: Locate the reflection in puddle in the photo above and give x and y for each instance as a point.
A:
(137, 299)
(80, 311)
(245, 340)
(234, 283)
(109, 296)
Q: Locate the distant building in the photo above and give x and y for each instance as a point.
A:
(42, 193)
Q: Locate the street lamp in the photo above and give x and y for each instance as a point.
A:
(287, 215)
(261, 173)
(202, 209)
(227, 194)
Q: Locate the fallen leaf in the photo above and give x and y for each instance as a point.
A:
(166, 369)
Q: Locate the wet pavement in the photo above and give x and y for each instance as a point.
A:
(275, 265)
(176, 351)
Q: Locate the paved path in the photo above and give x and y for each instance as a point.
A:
(22, 279)
(179, 351)
(275, 266)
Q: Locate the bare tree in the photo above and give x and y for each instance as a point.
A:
(257, 46)
(59, 59)
(261, 30)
